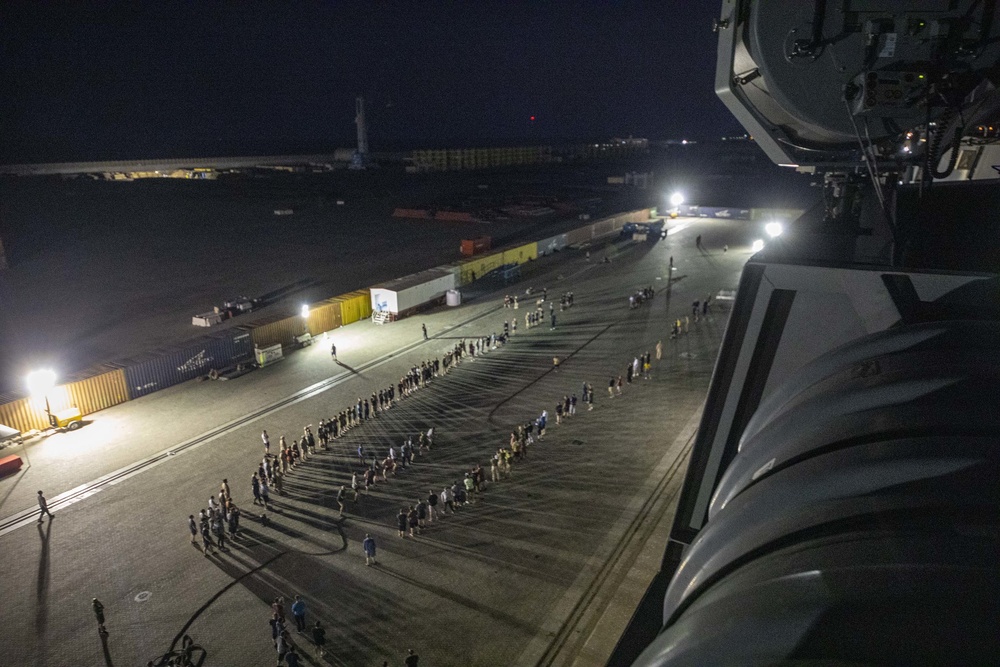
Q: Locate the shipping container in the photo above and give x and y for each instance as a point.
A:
(477, 268)
(477, 246)
(552, 244)
(453, 216)
(90, 391)
(323, 316)
(96, 392)
(413, 213)
(166, 368)
(579, 235)
(521, 254)
(242, 345)
(280, 329)
(354, 306)
(24, 414)
(405, 295)
(602, 228)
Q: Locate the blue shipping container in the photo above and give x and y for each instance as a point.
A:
(166, 368)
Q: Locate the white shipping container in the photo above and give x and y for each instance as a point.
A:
(404, 294)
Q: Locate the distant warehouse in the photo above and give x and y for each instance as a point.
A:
(462, 159)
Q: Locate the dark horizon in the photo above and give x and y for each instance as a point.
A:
(86, 83)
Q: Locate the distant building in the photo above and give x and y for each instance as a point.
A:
(462, 159)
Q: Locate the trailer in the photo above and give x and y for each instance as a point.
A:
(403, 296)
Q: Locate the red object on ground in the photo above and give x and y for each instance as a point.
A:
(9, 465)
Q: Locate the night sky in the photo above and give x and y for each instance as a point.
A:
(92, 81)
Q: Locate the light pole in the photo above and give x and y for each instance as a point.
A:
(676, 200)
(40, 383)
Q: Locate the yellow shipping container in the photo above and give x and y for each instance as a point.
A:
(90, 395)
(324, 316)
(24, 414)
(521, 254)
(355, 306)
(478, 267)
(96, 392)
(276, 330)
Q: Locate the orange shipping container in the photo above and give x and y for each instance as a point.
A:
(476, 246)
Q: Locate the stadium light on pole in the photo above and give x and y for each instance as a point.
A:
(40, 383)
(676, 199)
(774, 229)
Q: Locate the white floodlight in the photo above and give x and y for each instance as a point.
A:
(676, 199)
(41, 382)
(305, 310)
(774, 229)
(757, 246)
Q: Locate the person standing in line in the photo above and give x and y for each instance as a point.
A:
(281, 646)
(43, 506)
(432, 501)
(423, 328)
(628, 374)
(319, 639)
(368, 545)
(193, 527)
(470, 488)
(265, 495)
(206, 538)
(277, 627)
(559, 413)
(299, 613)
(635, 367)
(401, 522)
(618, 386)
(494, 472)
(447, 500)
(422, 514)
(411, 659)
(292, 658)
(278, 606)
(572, 405)
(611, 387)
(659, 350)
(687, 323)
(412, 522)
(590, 397)
(267, 442)
(220, 533)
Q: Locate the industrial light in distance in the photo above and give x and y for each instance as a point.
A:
(676, 199)
(305, 310)
(757, 246)
(41, 382)
(774, 229)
